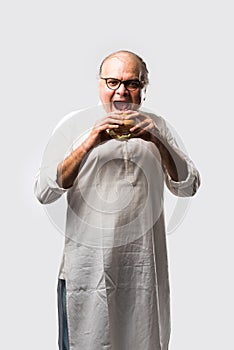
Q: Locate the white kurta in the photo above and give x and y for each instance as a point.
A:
(115, 257)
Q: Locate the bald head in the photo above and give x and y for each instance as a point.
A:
(131, 59)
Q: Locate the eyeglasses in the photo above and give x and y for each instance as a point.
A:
(130, 85)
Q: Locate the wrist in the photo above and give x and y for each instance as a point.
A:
(85, 147)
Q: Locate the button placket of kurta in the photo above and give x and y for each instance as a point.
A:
(129, 166)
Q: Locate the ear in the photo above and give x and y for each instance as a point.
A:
(144, 94)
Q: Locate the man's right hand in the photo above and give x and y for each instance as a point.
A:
(98, 134)
(68, 169)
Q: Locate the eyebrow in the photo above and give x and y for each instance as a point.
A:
(123, 80)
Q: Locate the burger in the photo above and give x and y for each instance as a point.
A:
(123, 131)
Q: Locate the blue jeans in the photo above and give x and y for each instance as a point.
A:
(63, 340)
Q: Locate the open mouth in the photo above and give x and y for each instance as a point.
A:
(122, 105)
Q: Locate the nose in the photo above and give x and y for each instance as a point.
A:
(122, 90)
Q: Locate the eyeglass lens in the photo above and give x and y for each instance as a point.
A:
(129, 84)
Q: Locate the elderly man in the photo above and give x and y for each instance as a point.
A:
(113, 283)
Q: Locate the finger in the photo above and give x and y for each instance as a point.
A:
(118, 114)
(147, 125)
(109, 120)
(141, 133)
(107, 126)
(139, 126)
(140, 115)
(131, 114)
(144, 135)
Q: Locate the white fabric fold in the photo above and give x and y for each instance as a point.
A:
(115, 256)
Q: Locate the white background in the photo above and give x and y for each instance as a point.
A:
(50, 52)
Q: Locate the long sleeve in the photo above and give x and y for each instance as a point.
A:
(59, 146)
(46, 188)
(64, 139)
(189, 186)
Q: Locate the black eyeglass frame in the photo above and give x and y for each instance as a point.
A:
(141, 83)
